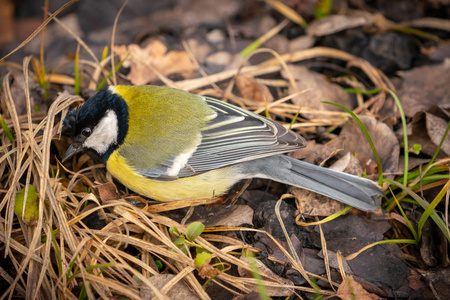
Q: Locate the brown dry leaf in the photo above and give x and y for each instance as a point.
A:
(381, 265)
(413, 162)
(428, 129)
(436, 128)
(350, 289)
(107, 192)
(19, 98)
(318, 153)
(156, 55)
(348, 164)
(416, 282)
(334, 261)
(424, 87)
(317, 89)
(264, 242)
(429, 244)
(440, 277)
(179, 291)
(315, 204)
(207, 271)
(310, 148)
(250, 88)
(383, 137)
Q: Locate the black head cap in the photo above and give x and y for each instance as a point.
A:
(70, 121)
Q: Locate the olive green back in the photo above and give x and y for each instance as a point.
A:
(163, 123)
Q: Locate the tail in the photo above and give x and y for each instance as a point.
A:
(355, 191)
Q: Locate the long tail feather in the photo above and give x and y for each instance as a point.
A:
(358, 192)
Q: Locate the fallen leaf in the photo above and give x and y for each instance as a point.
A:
(334, 262)
(416, 282)
(428, 130)
(250, 88)
(179, 291)
(107, 192)
(316, 89)
(265, 218)
(381, 265)
(385, 141)
(436, 128)
(350, 290)
(154, 54)
(315, 204)
(36, 95)
(318, 153)
(440, 277)
(349, 164)
(424, 87)
(29, 213)
(208, 271)
(413, 162)
(429, 244)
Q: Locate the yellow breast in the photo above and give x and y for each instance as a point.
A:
(206, 185)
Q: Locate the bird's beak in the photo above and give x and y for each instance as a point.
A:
(71, 151)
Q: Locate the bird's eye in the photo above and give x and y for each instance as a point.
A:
(86, 132)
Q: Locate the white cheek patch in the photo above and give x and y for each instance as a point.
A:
(104, 134)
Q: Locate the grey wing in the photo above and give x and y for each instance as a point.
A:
(237, 135)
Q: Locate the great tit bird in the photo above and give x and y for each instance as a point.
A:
(169, 145)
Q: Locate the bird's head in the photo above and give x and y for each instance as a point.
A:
(99, 125)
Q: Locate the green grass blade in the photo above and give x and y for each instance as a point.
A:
(411, 227)
(430, 209)
(77, 71)
(424, 204)
(103, 82)
(255, 273)
(104, 53)
(323, 8)
(6, 129)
